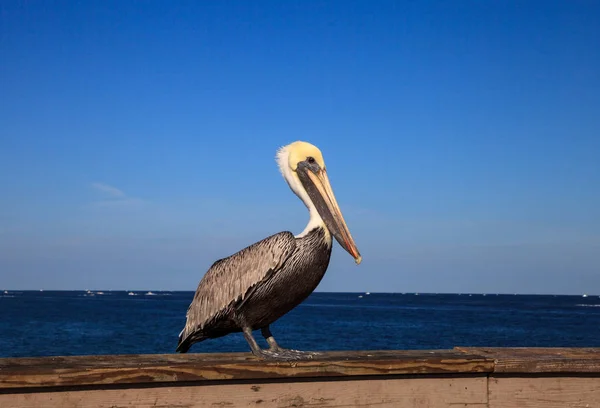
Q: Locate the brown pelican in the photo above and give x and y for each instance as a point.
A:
(254, 287)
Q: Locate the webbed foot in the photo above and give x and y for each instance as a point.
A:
(274, 352)
(281, 354)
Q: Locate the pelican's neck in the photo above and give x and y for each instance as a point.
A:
(314, 221)
(293, 181)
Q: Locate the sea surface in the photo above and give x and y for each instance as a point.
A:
(49, 323)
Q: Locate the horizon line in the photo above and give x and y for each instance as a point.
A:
(3, 291)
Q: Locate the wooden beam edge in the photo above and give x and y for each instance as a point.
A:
(78, 371)
(540, 360)
(145, 369)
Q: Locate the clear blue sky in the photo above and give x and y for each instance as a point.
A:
(462, 138)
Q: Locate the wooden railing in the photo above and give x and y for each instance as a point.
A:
(462, 377)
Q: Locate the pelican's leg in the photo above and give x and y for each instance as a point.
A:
(277, 354)
(256, 350)
(266, 332)
(292, 354)
(269, 354)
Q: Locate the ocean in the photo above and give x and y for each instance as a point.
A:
(50, 323)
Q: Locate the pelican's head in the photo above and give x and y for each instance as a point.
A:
(303, 168)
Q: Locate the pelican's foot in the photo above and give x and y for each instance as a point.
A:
(281, 354)
(303, 355)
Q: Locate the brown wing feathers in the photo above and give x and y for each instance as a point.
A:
(231, 279)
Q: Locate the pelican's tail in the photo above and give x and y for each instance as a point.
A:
(183, 346)
(186, 340)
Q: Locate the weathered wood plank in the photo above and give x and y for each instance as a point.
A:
(382, 393)
(541, 360)
(473, 378)
(131, 369)
(544, 392)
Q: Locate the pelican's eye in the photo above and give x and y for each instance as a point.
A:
(311, 159)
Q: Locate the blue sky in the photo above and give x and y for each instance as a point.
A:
(462, 139)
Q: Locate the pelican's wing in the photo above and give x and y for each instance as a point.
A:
(231, 279)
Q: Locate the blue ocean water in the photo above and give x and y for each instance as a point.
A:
(116, 322)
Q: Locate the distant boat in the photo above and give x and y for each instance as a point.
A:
(368, 293)
(100, 293)
(132, 294)
(584, 295)
(359, 296)
(150, 294)
(6, 292)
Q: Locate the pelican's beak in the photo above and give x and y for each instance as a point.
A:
(316, 182)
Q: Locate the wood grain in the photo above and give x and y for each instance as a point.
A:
(139, 369)
(527, 360)
(382, 393)
(544, 392)
(462, 377)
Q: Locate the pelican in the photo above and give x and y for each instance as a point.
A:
(254, 287)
